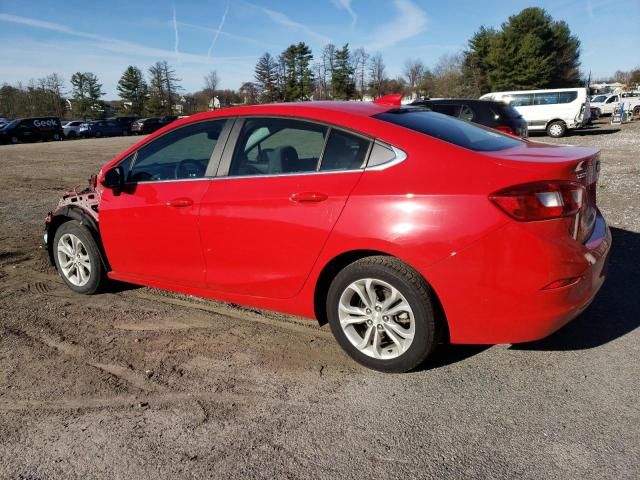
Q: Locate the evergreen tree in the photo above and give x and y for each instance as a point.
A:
(296, 71)
(86, 95)
(266, 75)
(342, 82)
(533, 51)
(133, 88)
(476, 66)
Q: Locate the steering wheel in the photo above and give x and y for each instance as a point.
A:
(188, 169)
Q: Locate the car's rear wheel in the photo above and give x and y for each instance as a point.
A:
(56, 137)
(14, 140)
(77, 258)
(556, 129)
(72, 135)
(381, 313)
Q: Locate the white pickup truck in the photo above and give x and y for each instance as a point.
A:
(606, 104)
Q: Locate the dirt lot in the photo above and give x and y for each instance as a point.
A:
(137, 383)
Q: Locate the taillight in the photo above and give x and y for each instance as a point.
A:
(505, 129)
(531, 202)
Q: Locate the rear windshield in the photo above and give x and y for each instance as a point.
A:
(449, 129)
(506, 111)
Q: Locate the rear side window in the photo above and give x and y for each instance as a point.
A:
(521, 99)
(344, 152)
(273, 146)
(451, 130)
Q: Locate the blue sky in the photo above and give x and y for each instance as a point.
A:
(41, 37)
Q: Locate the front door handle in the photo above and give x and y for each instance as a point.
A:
(308, 197)
(180, 202)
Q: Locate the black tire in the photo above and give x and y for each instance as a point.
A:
(97, 271)
(98, 134)
(14, 140)
(417, 293)
(636, 111)
(56, 137)
(72, 135)
(556, 129)
(125, 133)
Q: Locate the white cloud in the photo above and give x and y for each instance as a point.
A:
(408, 22)
(282, 19)
(346, 5)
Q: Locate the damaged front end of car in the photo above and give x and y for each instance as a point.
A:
(78, 204)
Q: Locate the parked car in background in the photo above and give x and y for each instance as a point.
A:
(607, 104)
(401, 227)
(125, 122)
(553, 111)
(72, 129)
(498, 115)
(31, 130)
(103, 128)
(3, 121)
(151, 124)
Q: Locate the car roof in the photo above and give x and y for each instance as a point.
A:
(355, 108)
(473, 101)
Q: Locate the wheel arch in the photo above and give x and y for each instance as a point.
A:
(69, 213)
(340, 261)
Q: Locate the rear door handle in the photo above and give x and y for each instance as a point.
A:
(308, 197)
(180, 202)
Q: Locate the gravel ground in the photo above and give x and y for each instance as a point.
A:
(138, 383)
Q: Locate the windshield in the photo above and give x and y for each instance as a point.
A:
(11, 124)
(449, 129)
(599, 99)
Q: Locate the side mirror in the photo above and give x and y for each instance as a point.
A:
(114, 178)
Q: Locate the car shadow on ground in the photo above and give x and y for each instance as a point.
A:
(614, 312)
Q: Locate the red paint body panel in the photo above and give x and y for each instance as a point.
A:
(146, 238)
(245, 240)
(258, 241)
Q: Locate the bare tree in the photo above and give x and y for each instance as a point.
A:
(327, 67)
(211, 83)
(377, 74)
(414, 71)
(360, 58)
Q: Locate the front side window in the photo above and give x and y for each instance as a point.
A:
(271, 146)
(183, 153)
(451, 130)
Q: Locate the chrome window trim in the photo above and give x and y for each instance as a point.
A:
(227, 158)
(399, 157)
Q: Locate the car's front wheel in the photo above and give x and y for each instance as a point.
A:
(77, 258)
(381, 313)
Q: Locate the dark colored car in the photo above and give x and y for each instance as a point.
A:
(126, 122)
(31, 130)
(103, 128)
(491, 114)
(150, 125)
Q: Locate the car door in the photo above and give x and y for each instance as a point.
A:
(150, 228)
(282, 186)
(611, 104)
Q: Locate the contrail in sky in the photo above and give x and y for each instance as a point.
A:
(219, 29)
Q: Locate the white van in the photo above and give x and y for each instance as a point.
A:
(554, 111)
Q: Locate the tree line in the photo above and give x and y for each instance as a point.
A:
(530, 50)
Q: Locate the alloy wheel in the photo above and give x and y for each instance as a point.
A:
(376, 318)
(74, 260)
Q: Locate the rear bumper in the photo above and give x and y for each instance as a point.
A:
(501, 297)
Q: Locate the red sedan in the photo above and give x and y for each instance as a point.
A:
(398, 226)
